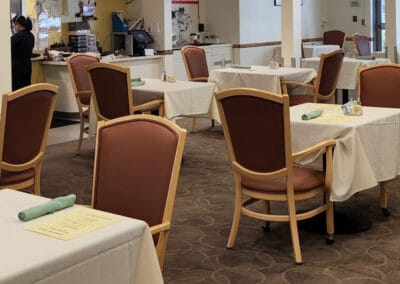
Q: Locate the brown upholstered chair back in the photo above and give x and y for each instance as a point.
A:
(379, 85)
(110, 85)
(362, 44)
(254, 128)
(26, 117)
(77, 64)
(134, 163)
(334, 37)
(330, 66)
(195, 62)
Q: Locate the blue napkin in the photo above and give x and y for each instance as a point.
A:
(365, 57)
(51, 206)
(312, 114)
(237, 66)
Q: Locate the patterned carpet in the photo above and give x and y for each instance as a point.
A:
(196, 250)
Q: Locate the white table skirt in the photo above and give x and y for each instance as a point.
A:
(315, 50)
(260, 77)
(367, 149)
(348, 76)
(120, 253)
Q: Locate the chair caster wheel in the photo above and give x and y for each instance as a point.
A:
(266, 228)
(329, 239)
(386, 212)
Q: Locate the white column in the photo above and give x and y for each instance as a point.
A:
(392, 28)
(5, 48)
(291, 31)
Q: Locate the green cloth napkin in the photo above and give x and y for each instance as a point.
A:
(136, 82)
(48, 207)
(237, 66)
(367, 57)
(312, 114)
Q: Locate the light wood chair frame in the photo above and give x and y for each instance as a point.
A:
(192, 79)
(382, 184)
(314, 84)
(36, 162)
(290, 196)
(162, 229)
(81, 106)
(154, 104)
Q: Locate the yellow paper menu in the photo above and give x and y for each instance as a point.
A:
(73, 223)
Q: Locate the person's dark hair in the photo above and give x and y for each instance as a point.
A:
(24, 22)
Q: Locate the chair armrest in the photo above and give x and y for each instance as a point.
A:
(159, 228)
(299, 84)
(200, 79)
(148, 105)
(22, 167)
(83, 93)
(314, 148)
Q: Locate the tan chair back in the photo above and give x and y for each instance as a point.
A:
(25, 120)
(334, 37)
(378, 85)
(362, 44)
(112, 93)
(195, 62)
(137, 164)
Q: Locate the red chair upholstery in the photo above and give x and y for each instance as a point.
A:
(137, 164)
(80, 84)
(334, 37)
(25, 120)
(257, 132)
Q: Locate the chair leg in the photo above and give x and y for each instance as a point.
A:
(193, 123)
(161, 110)
(81, 129)
(384, 199)
(236, 214)
(212, 122)
(294, 231)
(330, 224)
(161, 247)
(267, 210)
(36, 185)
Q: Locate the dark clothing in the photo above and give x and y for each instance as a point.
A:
(22, 44)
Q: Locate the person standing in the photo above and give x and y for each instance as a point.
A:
(22, 43)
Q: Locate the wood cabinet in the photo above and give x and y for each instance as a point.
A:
(218, 56)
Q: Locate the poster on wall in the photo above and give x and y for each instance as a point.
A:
(185, 20)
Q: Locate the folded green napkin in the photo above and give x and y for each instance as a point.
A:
(135, 83)
(312, 114)
(237, 66)
(48, 207)
(366, 57)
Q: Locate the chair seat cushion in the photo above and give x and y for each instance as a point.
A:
(8, 178)
(304, 179)
(300, 99)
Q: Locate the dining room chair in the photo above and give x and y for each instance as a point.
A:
(80, 84)
(323, 87)
(256, 127)
(334, 37)
(378, 86)
(136, 170)
(195, 61)
(25, 121)
(112, 94)
(362, 44)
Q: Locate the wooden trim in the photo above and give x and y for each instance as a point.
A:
(256, 44)
(165, 52)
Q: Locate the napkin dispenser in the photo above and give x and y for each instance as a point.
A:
(352, 107)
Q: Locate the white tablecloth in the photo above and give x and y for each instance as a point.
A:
(315, 50)
(367, 149)
(120, 253)
(260, 77)
(182, 98)
(348, 76)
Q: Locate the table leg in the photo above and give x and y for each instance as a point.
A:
(345, 96)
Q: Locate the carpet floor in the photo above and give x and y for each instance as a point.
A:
(203, 210)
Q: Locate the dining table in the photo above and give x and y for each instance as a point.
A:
(260, 77)
(35, 252)
(316, 49)
(348, 76)
(367, 147)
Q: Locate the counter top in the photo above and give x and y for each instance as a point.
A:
(107, 59)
